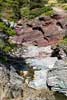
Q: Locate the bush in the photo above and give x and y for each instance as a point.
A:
(2, 26)
(10, 31)
(46, 9)
(7, 49)
(2, 44)
(25, 12)
(64, 41)
(34, 13)
(6, 29)
(16, 8)
(65, 7)
(38, 11)
(49, 13)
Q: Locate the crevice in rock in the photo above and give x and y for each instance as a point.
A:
(38, 28)
(56, 53)
(59, 24)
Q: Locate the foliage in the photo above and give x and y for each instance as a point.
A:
(62, 1)
(37, 12)
(6, 29)
(21, 8)
(10, 31)
(2, 26)
(2, 44)
(7, 49)
(26, 8)
(3, 59)
(64, 41)
(49, 13)
(65, 7)
(25, 12)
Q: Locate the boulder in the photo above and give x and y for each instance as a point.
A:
(57, 77)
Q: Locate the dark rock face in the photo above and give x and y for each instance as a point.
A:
(42, 31)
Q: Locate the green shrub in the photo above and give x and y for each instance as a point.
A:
(2, 26)
(10, 31)
(3, 59)
(34, 13)
(38, 11)
(25, 12)
(7, 30)
(7, 49)
(2, 44)
(49, 13)
(46, 8)
(65, 7)
(64, 41)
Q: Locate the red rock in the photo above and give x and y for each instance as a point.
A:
(41, 32)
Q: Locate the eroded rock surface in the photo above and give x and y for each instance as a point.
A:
(57, 77)
(34, 58)
(11, 84)
(42, 31)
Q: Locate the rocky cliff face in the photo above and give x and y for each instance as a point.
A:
(27, 72)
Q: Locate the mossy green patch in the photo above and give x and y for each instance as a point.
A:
(64, 41)
(9, 31)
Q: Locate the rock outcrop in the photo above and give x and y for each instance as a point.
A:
(11, 84)
(57, 77)
(30, 63)
(42, 31)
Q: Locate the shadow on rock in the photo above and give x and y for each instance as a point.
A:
(59, 96)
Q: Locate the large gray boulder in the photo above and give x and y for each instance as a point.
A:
(57, 77)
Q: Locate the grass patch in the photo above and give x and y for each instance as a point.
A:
(64, 41)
